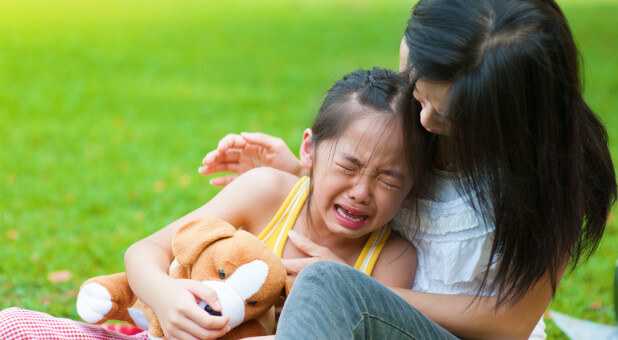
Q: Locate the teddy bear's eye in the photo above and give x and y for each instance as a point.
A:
(252, 302)
(222, 274)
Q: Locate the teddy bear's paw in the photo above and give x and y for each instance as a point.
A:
(93, 302)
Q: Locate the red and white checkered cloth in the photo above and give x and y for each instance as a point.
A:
(21, 324)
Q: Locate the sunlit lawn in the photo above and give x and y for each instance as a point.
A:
(107, 107)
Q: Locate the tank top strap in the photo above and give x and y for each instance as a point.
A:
(372, 249)
(275, 234)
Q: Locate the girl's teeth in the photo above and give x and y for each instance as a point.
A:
(348, 215)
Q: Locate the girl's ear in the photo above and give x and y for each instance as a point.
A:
(306, 150)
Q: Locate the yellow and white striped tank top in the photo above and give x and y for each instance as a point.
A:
(275, 234)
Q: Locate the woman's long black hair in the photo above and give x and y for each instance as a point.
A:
(523, 138)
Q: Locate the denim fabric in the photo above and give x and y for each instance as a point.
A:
(335, 301)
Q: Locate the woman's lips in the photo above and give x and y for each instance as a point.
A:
(349, 217)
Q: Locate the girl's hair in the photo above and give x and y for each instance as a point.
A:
(362, 92)
(358, 93)
(523, 138)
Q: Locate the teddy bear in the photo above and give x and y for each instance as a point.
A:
(247, 276)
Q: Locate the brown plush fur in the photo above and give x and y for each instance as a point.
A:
(202, 248)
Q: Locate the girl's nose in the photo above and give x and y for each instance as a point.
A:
(360, 191)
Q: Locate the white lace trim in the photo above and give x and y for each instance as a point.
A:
(449, 223)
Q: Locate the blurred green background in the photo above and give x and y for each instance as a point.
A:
(107, 108)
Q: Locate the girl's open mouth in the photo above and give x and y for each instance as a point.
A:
(348, 218)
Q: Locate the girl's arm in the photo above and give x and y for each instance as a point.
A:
(173, 300)
(242, 203)
(469, 317)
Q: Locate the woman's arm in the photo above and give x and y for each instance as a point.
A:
(470, 317)
(240, 153)
(396, 266)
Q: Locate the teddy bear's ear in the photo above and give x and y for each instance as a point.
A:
(193, 237)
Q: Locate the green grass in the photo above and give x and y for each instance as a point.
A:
(107, 107)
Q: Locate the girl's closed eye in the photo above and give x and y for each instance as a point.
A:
(346, 168)
(389, 185)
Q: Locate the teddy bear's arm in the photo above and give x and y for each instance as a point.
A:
(155, 328)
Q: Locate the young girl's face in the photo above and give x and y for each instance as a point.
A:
(360, 178)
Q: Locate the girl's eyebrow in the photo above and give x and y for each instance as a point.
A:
(353, 160)
(359, 163)
(392, 173)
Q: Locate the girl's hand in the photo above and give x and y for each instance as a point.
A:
(180, 316)
(315, 252)
(239, 153)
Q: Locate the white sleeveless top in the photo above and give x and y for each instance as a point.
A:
(453, 243)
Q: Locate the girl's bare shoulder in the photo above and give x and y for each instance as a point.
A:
(396, 266)
(269, 181)
(260, 192)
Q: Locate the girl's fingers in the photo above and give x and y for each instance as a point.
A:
(205, 294)
(212, 327)
(191, 329)
(178, 334)
(205, 326)
(201, 324)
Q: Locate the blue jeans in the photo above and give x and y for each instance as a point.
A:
(334, 301)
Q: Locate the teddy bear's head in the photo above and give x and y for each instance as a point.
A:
(248, 276)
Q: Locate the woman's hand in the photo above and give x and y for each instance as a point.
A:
(239, 153)
(180, 316)
(315, 252)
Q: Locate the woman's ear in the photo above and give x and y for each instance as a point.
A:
(403, 55)
(306, 150)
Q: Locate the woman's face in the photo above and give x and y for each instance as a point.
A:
(431, 95)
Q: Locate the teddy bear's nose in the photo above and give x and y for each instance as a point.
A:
(211, 311)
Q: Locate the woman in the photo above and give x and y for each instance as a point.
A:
(518, 181)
